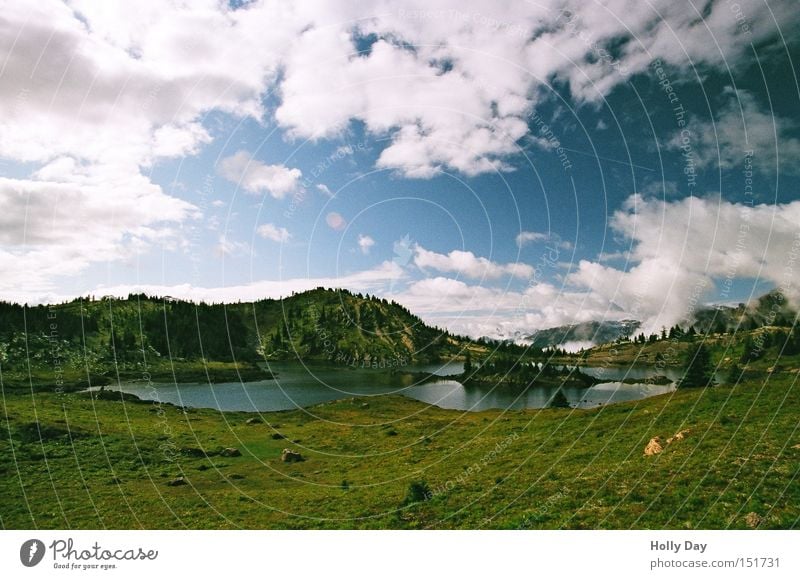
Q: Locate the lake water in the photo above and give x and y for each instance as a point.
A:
(298, 386)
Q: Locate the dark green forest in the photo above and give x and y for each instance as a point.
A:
(99, 336)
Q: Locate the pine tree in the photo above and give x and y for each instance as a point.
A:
(468, 363)
(750, 351)
(699, 369)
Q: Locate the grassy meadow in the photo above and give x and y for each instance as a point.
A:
(72, 461)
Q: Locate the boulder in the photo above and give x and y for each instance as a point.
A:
(653, 447)
(753, 520)
(289, 455)
(176, 482)
(278, 436)
(230, 452)
(678, 436)
(254, 420)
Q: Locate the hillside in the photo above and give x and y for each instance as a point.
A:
(89, 340)
(770, 309)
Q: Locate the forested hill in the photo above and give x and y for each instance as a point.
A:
(319, 324)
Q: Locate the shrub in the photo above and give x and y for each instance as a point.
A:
(418, 491)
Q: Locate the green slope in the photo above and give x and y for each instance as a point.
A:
(97, 340)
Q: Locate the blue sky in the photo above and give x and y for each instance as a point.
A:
(496, 167)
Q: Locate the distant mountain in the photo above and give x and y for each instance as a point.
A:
(770, 309)
(594, 331)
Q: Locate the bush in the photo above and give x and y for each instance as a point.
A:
(418, 491)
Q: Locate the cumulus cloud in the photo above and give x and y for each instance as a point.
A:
(681, 249)
(256, 177)
(92, 96)
(95, 94)
(365, 242)
(274, 233)
(58, 227)
(478, 310)
(468, 264)
(452, 87)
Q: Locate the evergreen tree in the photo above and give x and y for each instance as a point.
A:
(559, 400)
(751, 351)
(699, 369)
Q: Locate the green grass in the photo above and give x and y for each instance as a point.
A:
(106, 464)
(73, 378)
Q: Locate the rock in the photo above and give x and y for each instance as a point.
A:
(753, 520)
(255, 420)
(278, 436)
(176, 482)
(289, 455)
(678, 436)
(653, 447)
(193, 452)
(230, 452)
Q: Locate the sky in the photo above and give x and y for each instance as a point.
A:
(497, 167)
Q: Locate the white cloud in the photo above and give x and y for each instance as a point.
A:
(274, 233)
(323, 188)
(468, 264)
(365, 242)
(451, 87)
(92, 96)
(256, 177)
(526, 237)
(227, 247)
(60, 226)
(371, 280)
(741, 126)
(478, 310)
(680, 249)
(95, 94)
